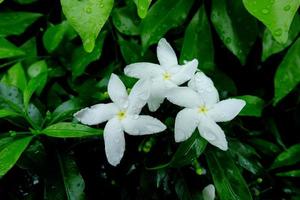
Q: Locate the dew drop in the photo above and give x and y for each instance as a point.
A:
(227, 40)
(88, 10)
(135, 116)
(278, 32)
(287, 8)
(265, 11)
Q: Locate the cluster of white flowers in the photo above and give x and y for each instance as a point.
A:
(200, 100)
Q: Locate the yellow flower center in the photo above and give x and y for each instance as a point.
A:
(202, 109)
(166, 76)
(121, 115)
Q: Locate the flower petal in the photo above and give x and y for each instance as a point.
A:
(157, 94)
(212, 132)
(138, 96)
(114, 141)
(142, 125)
(184, 96)
(143, 70)
(117, 91)
(226, 110)
(96, 114)
(205, 87)
(165, 53)
(209, 192)
(185, 73)
(185, 124)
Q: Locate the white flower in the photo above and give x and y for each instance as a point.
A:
(208, 192)
(164, 76)
(122, 116)
(202, 109)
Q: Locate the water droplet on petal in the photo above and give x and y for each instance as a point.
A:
(135, 116)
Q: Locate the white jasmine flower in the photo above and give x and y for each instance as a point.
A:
(209, 192)
(202, 109)
(164, 76)
(122, 116)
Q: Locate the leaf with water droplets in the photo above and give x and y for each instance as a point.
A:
(142, 7)
(287, 76)
(71, 130)
(11, 153)
(271, 46)
(198, 43)
(163, 16)
(236, 28)
(16, 76)
(227, 178)
(277, 15)
(15, 23)
(87, 18)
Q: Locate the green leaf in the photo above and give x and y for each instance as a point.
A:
(54, 36)
(70, 130)
(227, 178)
(7, 113)
(198, 43)
(287, 75)
(246, 156)
(11, 153)
(236, 28)
(142, 7)
(15, 23)
(87, 18)
(163, 15)
(126, 21)
(9, 50)
(65, 110)
(271, 46)
(81, 59)
(276, 15)
(287, 157)
(293, 173)
(188, 151)
(11, 98)
(30, 48)
(34, 116)
(16, 76)
(265, 146)
(72, 179)
(25, 1)
(36, 84)
(254, 106)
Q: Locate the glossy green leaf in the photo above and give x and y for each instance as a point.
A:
(34, 116)
(37, 68)
(271, 125)
(16, 76)
(142, 7)
(271, 46)
(236, 28)
(287, 157)
(36, 84)
(70, 130)
(287, 75)
(54, 36)
(8, 113)
(65, 110)
(25, 1)
(198, 43)
(72, 179)
(15, 23)
(87, 18)
(227, 178)
(9, 50)
(30, 48)
(277, 15)
(246, 156)
(254, 106)
(163, 15)
(81, 59)
(188, 151)
(11, 153)
(126, 21)
(265, 146)
(293, 173)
